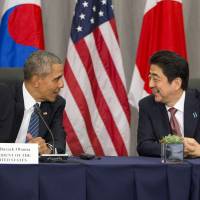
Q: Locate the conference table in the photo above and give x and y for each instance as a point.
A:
(106, 178)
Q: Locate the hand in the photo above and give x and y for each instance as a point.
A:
(42, 146)
(191, 147)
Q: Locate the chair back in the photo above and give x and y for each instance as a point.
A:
(11, 75)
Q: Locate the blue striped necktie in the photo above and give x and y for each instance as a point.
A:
(33, 127)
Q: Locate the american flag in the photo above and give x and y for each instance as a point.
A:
(97, 114)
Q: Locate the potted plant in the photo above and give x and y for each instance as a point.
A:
(171, 149)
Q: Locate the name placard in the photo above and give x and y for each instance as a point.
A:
(18, 153)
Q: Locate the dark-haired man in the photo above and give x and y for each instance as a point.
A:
(20, 122)
(172, 108)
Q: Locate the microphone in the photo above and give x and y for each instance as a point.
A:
(50, 157)
(37, 109)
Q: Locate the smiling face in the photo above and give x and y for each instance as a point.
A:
(164, 91)
(48, 86)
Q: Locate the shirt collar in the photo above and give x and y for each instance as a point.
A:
(29, 101)
(180, 103)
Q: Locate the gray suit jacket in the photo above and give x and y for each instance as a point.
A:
(154, 122)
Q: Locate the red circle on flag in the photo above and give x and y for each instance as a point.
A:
(25, 25)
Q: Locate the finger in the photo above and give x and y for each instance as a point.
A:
(186, 151)
(188, 144)
(189, 150)
(44, 149)
(29, 137)
(190, 140)
(38, 140)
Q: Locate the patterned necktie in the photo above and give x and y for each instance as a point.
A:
(175, 128)
(33, 127)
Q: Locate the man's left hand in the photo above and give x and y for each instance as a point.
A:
(42, 146)
(191, 147)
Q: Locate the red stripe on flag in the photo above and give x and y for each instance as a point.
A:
(83, 107)
(100, 100)
(112, 73)
(114, 28)
(72, 139)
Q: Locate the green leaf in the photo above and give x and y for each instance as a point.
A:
(172, 139)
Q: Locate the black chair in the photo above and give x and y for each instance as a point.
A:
(194, 83)
(11, 75)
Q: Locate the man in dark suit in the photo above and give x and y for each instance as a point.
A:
(43, 73)
(168, 79)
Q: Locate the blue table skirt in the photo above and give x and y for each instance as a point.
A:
(108, 178)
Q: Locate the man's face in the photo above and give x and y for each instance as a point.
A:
(49, 86)
(162, 90)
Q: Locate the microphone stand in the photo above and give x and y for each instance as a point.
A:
(50, 157)
(43, 120)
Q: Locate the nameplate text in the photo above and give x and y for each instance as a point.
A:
(18, 153)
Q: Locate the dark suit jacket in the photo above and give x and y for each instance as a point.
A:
(11, 115)
(153, 122)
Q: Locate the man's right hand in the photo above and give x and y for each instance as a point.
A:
(42, 146)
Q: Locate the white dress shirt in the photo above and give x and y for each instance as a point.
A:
(180, 112)
(29, 102)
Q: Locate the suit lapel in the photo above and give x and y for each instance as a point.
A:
(45, 113)
(191, 113)
(161, 120)
(19, 110)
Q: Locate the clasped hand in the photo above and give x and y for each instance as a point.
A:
(42, 145)
(191, 147)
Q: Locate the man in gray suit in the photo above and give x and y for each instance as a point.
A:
(168, 80)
